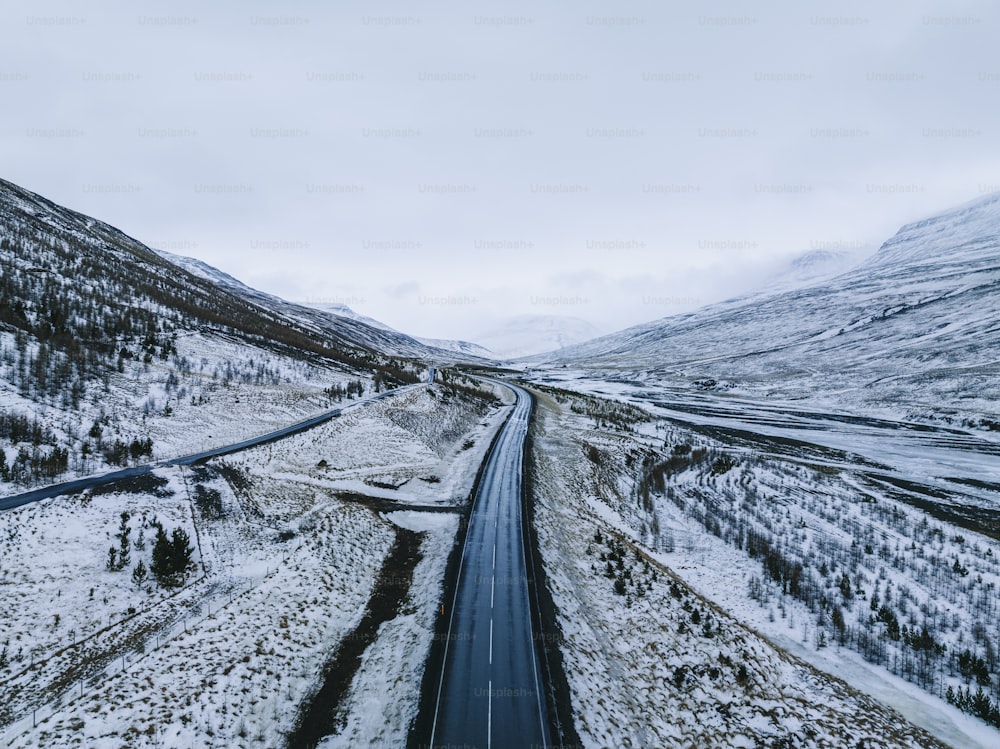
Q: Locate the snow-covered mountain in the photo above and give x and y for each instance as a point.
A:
(337, 320)
(811, 268)
(372, 332)
(914, 324)
(464, 349)
(525, 335)
(440, 347)
(201, 269)
(342, 310)
(112, 353)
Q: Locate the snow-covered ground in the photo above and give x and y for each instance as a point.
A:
(912, 329)
(944, 458)
(525, 335)
(237, 676)
(215, 391)
(422, 447)
(284, 564)
(63, 609)
(385, 696)
(642, 670)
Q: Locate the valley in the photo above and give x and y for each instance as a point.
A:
(231, 520)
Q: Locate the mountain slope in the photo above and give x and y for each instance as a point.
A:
(914, 324)
(526, 335)
(338, 322)
(811, 268)
(464, 349)
(110, 353)
(440, 347)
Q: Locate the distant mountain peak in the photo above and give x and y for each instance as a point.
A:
(342, 310)
(818, 258)
(463, 348)
(812, 267)
(530, 334)
(977, 219)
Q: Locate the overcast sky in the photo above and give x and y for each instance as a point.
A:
(440, 166)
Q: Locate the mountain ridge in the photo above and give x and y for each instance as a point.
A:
(908, 328)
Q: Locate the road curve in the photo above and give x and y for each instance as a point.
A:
(490, 690)
(88, 482)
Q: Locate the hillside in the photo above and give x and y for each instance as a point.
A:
(527, 335)
(110, 353)
(337, 322)
(911, 331)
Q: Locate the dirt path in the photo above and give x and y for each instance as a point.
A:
(320, 716)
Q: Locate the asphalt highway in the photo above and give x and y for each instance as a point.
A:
(489, 693)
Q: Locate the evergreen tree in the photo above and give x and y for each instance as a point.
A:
(160, 565)
(845, 587)
(171, 557)
(124, 547)
(139, 574)
(180, 551)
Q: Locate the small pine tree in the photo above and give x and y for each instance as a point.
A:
(160, 564)
(139, 574)
(124, 555)
(171, 556)
(112, 563)
(845, 587)
(124, 547)
(180, 550)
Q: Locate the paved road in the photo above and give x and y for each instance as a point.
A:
(489, 693)
(79, 485)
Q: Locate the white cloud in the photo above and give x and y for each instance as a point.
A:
(502, 154)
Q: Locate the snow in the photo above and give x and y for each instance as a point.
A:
(526, 335)
(380, 709)
(909, 330)
(236, 678)
(846, 403)
(419, 522)
(720, 573)
(410, 448)
(626, 657)
(282, 575)
(227, 392)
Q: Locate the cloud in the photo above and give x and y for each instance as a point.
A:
(399, 152)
